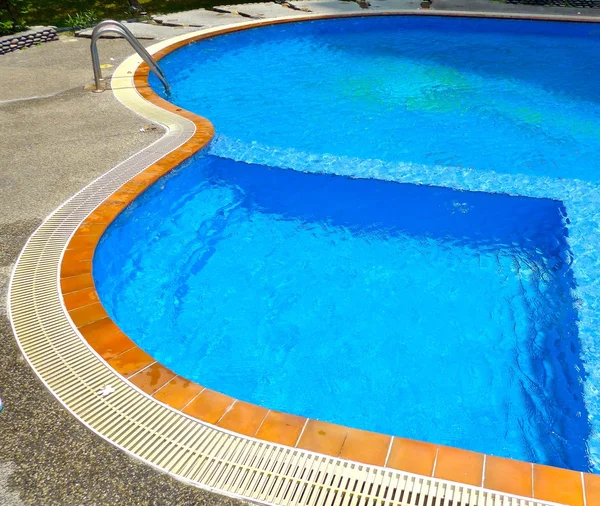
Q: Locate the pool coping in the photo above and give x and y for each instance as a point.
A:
(81, 303)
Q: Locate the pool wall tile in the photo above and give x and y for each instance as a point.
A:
(178, 392)
(412, 456)
(463, 466)
(507, 475)
(152, 378)
(367, 447)
(281, 428)
(209, 406)
(243, 418)
(557, 485)
(323, 437)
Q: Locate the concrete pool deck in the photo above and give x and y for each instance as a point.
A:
(48, 158)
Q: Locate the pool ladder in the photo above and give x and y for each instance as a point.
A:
(115, 27)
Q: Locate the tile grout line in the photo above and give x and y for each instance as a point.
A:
(483, 469)
(437, 451)
(111, 358)
(301, 433)
(192, 400)
(583, 489)
(387, 457)
(154, 393)
(344, 443)
(229, 408)
(141, 370)
(262, 422)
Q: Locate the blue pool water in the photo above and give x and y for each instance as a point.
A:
(394, 229)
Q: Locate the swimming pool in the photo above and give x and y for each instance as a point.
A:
(459, 315)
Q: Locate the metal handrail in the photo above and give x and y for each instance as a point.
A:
(115, 27)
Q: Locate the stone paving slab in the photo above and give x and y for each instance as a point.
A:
(504, 8)
(394, 5)
(143, 31)
(260, 10)
(198, 18)
(326, 6)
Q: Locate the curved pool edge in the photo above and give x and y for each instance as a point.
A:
(49, 330)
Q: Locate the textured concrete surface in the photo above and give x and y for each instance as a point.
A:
(326, 6)
(197, 17)
(142, 31)
(55, 67)
(262, 10)
(49, 149)
(494, 6)
(389, 5)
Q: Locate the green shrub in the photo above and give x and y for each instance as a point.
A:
(82, 19)
(11, 15)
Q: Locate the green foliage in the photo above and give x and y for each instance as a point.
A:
(82, 19)
(12, 14)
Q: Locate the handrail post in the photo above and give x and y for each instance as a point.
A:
(121, 29)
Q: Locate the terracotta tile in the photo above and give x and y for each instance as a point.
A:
(76, 283)
(366, 447)
(112, 205)
(592, 488)
(243, 418)
(111, 345)
(145, 177)
(463, 466)
(157, 169)
(172, 159)
(78, 255)
(136, 187)
(70, 269)
(323, 437)
(81, 298)
(104, 214)
(209, 406)
(131, 361)
(152, 378)
(119, 196)
(557, 485)
(412, 456)
(178, 392)
(83, 242)
(96, 229)
(99, 329)
(87, 314)
(507, 475)
(281, 428)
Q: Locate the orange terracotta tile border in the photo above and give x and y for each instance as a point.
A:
(121, 353)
